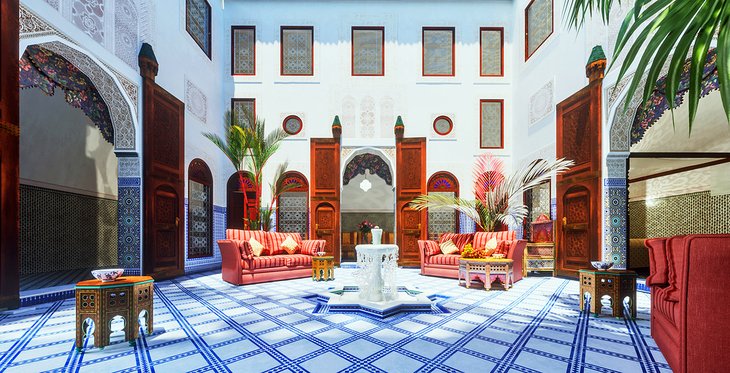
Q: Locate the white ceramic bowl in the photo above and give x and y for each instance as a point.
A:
(107, 275)
(602, 266)
(321, 253)
(498, 256)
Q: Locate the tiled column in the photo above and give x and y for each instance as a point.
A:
(615, 227)
(129, 213)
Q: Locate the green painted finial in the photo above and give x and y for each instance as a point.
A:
(336, 122)
(596, 55)
(399, 122)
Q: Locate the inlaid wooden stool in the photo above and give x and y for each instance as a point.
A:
(100, 301)
(617, 284)
(323, 268)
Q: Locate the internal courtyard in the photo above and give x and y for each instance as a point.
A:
(364, 186)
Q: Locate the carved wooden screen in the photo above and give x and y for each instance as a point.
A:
(579, 189)
(368, 51)
(9, 155)
(292, 214)
(164, 131)
(325, 193)
(438, 51)
(235, 200)
(243, 50)
(297, 50)
(442, 220)
(410, 182)
(200, 210)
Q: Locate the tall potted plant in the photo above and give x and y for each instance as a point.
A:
(248, 148)
(497, 197)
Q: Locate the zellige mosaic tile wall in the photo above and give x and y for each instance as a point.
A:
(695, 213)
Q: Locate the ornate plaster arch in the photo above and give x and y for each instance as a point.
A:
(120, 94)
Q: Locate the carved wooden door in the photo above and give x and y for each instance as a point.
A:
(164, 131)
(9, 155)
(579, 189)
(410, 182)
(325, 193)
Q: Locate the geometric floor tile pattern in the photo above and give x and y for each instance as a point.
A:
(203, 324)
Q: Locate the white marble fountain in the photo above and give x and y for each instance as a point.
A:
(377, 292)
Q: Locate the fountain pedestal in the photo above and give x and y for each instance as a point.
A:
(377, 266)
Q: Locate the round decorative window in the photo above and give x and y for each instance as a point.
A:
(292, 125)
(443, 125)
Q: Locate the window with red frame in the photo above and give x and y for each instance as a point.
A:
(538, 25)
(443, 125)
(368, 51)
(200, 209)
(491, 45)
(243, 110)
(292, 125)
(438, 51)
(243, 50)
(297, 50)
(491, 124)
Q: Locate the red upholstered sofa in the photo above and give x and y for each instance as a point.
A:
(690, 295)
(434, 263)
(239, 266)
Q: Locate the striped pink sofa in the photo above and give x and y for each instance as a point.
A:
(434, 263)
(239, 266)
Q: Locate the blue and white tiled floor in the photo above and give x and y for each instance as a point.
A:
(203, 324)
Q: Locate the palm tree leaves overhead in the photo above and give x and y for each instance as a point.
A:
(498, 196)
(667, 32)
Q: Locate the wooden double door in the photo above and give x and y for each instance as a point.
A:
(325, 195)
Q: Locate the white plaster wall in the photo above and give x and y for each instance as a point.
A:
(61, 148)
(419, 100)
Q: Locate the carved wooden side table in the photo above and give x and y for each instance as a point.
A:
(100, 301)
(323, 268)
(486, 267)
(617, 284)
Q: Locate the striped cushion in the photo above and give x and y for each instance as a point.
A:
(275, 239)
(245, 248)
(245, 235)
(269, 261)
(298, 260)
(311, 247)
(459, 239)
(503, 247)
(452, 260)
(481, 238)
(431, 247)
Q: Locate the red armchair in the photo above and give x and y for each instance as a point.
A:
(689, 297)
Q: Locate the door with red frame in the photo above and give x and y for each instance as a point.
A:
(410, 182)
(9, 156)
(579, 189)
(325, 193)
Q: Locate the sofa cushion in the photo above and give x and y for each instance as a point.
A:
(245, 235)
(659, 272)
(257, 248)
(503, 247)
(244, 248)
(452, 260)
(269, 261)
(298, 260)
(431, 248)
(311, 247)
(459, 239)
(481, 238)
(290, 246)
(275, 239)
(448, 248)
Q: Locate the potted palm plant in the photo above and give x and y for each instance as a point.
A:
(498, 198)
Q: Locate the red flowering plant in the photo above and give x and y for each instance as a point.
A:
(365, 226)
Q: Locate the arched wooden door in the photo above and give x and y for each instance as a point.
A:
(235, 200)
